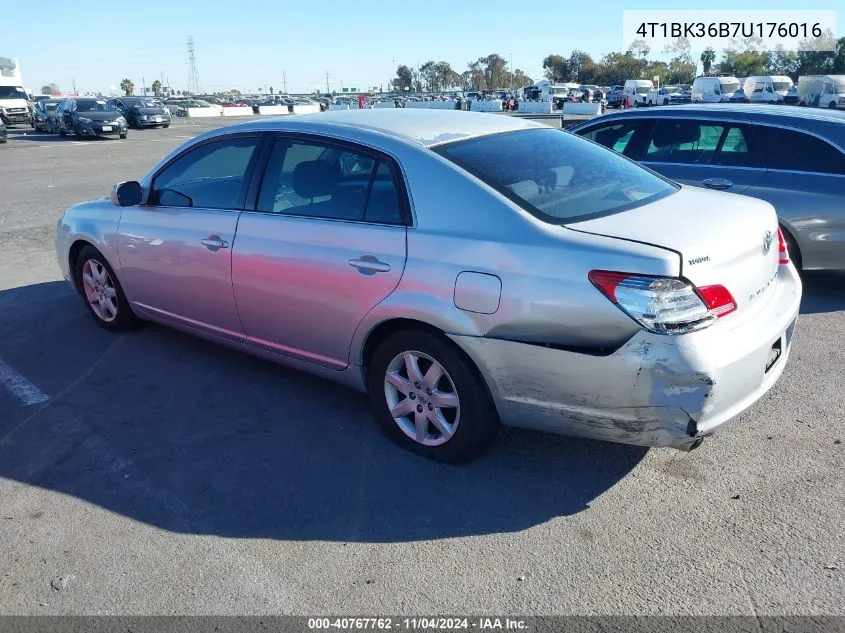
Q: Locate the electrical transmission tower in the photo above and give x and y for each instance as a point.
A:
(193, 75)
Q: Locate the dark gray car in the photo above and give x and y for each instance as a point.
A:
(790, 157)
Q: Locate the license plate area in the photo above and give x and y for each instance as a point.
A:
(774, 354)
(107, 128)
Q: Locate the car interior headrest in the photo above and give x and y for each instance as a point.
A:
(313, 178)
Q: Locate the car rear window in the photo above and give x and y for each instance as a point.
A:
(558, 177)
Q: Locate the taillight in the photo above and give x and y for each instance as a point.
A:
(665, 305)
(783, 251)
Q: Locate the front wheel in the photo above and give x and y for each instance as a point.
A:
(102, 292)
(124, 135)
(832, 105)
(429, 398)
(166, 125)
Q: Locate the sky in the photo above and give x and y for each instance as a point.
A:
(278, 43)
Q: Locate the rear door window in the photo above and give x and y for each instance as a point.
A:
(313, 179)
(797, 151)
(691, 142)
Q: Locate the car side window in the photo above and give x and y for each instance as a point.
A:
(797, 151)
(620, 137)
(211, 176)
(699, 143)
(308, 178)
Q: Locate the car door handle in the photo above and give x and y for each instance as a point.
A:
(717, 183)
(214, 241)
(368, 263)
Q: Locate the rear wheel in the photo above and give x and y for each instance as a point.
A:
(102, 292)
(832, 105)
(429, 398)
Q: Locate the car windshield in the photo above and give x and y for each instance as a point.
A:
(12, 92)
(91, 105)
(672, 89)
(142, 103)
(50, 106)
(557, 176)
(641, 90)
(839, 89)
(781, 86)
(729, 87)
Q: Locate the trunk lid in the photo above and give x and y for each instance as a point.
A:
(721, 238)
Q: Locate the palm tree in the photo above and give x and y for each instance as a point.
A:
(708, 56)
(157, 87)
(127, 86)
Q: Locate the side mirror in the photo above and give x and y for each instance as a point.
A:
(126, 194)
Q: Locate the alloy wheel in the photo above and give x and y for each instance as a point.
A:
(100, 291)
(422, 398)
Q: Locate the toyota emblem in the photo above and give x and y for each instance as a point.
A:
(767, 242)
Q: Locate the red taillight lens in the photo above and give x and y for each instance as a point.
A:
(664, 305)
(717, 299)
(783, 251)
(608, 281)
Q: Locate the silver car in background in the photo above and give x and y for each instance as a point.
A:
(563, 288)
(791, 157)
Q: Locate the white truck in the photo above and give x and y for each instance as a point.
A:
(14, 101)
(822, 91)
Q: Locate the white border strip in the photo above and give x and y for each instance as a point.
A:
(26, 392)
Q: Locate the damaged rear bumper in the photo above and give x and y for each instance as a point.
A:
(655, 390)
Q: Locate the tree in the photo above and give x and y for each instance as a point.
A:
(127, 86)
(582, 68)
(404, 78)
(556, 68)
(708, 56)
(639, 48)
(429, 76)
(157, 88)
(50, 89)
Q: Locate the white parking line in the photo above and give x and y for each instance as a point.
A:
(26, 392)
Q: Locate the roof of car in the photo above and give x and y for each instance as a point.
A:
(738, 111)
(425, 127)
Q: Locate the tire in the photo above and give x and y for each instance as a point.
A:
(113, 313)
(123, 136)
(794, 253)
(62, 132)
(167, 125)
(472, 424)
(832, 105)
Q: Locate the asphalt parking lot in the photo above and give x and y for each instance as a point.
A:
(154, 473)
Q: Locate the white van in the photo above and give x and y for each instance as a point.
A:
(766, 88)
(822, 91)
(713, 89)
(636, 90)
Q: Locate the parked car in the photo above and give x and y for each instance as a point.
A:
(738, 96)
(142, 111)
(789, 157)
(630, 308)
(792, 97)
(88, 118)
(4, 135)
(44, 117)
(615, 96)
(667, 95)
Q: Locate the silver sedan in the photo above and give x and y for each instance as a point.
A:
(465, 270)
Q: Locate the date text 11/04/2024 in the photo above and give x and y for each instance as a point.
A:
(729, 29)
(418, 624)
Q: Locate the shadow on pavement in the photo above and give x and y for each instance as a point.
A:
(823, 292)
(195, 438)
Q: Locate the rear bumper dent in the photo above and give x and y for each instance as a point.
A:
(655, 390)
